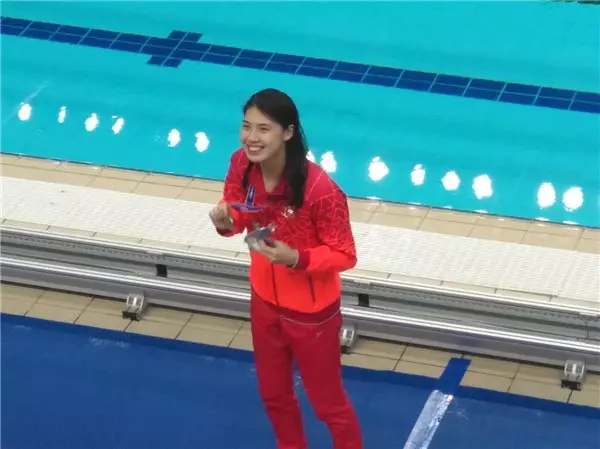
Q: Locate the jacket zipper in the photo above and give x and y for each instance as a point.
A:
(274, 283)
(312, 290)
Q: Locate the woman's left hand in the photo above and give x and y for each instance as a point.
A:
(279, 252)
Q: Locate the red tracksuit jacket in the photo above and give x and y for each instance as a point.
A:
(320, 230)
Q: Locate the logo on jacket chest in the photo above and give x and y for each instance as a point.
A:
(288, 212)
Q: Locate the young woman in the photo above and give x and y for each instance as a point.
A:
(294, 276)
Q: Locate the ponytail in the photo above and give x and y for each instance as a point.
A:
(295, 170)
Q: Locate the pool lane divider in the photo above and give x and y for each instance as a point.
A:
(181, 45)
(437, 404)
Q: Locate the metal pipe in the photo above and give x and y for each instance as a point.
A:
(472, 331)
(349, 312)
(134, 281)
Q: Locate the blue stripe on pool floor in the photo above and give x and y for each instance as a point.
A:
(179, 46)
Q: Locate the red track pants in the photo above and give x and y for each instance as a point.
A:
(314, 342)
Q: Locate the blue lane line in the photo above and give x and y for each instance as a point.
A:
(437, 404)
(180, 46)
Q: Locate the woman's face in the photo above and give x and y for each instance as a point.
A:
(262, 138)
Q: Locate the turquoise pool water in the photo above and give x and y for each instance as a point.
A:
(486, 112)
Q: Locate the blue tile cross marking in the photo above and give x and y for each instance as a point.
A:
(180, 45)
(167, 52)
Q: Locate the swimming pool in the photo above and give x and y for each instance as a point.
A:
(458, 105)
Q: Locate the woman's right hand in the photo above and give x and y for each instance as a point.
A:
(221, 217)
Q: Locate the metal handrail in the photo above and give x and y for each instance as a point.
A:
(392, 318)
(592, 349)
(134, 281)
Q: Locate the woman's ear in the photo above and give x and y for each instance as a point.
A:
(288, 133)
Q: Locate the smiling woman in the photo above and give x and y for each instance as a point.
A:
(295, 272)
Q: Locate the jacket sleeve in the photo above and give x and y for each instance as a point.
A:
(233, 192)
(332, 219)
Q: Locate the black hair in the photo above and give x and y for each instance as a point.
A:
(280, 108)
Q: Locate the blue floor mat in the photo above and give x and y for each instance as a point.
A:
(479, 419)
(67, 387)
(74, 387)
